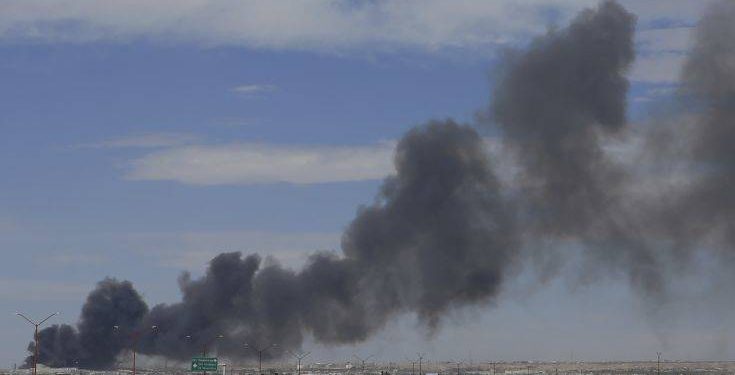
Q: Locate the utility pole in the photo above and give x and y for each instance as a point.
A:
(299, 357)
(658, 365)
(260, 350)
(35, 337)
(363, 360)
(134, 336)
(421, 358)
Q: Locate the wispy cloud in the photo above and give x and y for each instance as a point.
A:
(242, 164)
(150, 140)
(301, 25)
(340, 26)
(663, 38)
(656, 93)
(41, 290)
(674, 39)
(62, 259)
(253, 89)
(661, 54)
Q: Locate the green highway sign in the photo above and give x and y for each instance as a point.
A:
(201, 364)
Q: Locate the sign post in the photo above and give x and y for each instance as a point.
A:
(204, 364)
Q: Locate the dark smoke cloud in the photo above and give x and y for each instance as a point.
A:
(59, 347)
(709, 84)
(443, 233)
(552, 103)
(94, 343)
(556, 103)
(439, 236)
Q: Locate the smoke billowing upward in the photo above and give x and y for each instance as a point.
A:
(444, 233)
(709, 82)
(552, 103)
(440, 234)
(555, 104)
(94, 343)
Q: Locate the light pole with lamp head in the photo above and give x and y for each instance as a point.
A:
(35, 337)
(260, 350)
(135, 335)
(421, 358)
(299, 357)
(363, 360)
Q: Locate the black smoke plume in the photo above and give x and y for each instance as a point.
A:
(445, 232)
(555, 104)
(439, 236)
(707, 206)
(94, 343)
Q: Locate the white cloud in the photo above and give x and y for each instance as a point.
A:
(253, 89)
(682, 12)
(329, 25)
(251, 163)
(677, 39)
(662, 53)
(75, 259)
(40, 290)
(151, 140)
(264, 163)
(656, 93)
(321, 25)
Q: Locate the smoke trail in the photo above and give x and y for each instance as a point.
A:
(439, 236)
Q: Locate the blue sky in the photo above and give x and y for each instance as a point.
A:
(137, 143)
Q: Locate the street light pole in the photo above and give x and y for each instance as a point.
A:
(260, 351)
(421, 357)
(299, 357)
(363, 360)
(35, 336)
(658, 365)
(135, 335)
